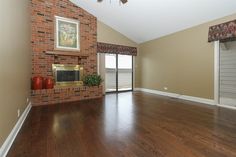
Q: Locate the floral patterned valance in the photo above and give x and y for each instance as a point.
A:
(116, 49)
(223, 32)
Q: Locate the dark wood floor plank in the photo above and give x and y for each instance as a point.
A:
(127, 125)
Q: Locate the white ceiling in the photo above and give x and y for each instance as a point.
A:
(144, 20)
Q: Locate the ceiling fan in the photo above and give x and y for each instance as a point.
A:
(123, 1)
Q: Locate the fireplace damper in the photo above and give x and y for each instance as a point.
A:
(67, 74)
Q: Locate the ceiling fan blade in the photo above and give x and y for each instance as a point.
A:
(124, 1)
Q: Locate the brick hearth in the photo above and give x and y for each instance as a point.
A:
(66, 94)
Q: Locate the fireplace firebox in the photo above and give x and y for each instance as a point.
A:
(65, 75)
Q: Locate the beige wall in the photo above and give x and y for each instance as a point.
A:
(15, 61)
(108, 35)
(183, 62)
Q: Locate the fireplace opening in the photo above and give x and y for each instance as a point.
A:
(67, 74)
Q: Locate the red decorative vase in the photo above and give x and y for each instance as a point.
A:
(48, 83)
(37, 83)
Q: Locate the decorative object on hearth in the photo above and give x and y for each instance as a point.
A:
(92, 80)
(48, 83)
(122, 1)
(37, 83)
(67, 35)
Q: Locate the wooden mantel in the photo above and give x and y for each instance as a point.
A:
(63, 53)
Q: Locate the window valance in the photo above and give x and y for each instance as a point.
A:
(223, 32)
(116, 49)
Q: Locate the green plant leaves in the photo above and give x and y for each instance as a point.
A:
(92, 80)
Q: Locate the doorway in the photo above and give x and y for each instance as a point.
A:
(118, 73)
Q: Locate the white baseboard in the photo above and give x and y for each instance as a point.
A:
(185, 97)
(10, 139)
(227, 106)
(197, 99)
(178, 96)
(173, 95)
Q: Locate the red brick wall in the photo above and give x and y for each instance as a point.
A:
(42, 39)
(42, 16)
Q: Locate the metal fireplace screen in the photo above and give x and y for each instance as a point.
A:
(67, 74)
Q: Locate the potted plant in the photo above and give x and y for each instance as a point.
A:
(92, 80)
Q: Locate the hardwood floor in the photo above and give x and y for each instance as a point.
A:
(128, 125)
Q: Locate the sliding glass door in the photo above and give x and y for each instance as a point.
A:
(119, 73)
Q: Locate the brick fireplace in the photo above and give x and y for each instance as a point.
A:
(44, 55)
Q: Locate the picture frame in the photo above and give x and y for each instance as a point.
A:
(67, 34)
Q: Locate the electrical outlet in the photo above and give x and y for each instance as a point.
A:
(165, 88)
(18, 113)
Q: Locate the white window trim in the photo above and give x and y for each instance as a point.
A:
(216, 71)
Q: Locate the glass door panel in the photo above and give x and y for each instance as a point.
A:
(110, 75)
(125, 72)
(227, 74)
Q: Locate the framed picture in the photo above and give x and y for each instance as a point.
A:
(67, 34)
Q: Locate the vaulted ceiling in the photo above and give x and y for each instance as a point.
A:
(144, 20)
